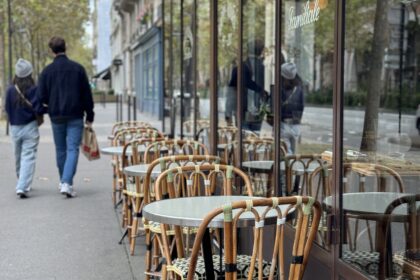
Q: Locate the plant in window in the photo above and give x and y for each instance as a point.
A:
(143, 16)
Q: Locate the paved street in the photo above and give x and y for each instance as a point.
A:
(51, 237)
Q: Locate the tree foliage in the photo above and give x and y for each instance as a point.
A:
(35, 22)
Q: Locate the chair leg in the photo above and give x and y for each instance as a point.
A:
(148, 263)
(156, 251)
(129, 221)
(164, 272)
(134, 232)
(114, 189)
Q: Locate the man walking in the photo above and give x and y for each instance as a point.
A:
(64, 88)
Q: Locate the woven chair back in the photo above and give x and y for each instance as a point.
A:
(308, 213)
(174, 147)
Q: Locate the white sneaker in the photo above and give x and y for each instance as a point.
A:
(28, 189)
(21, 194)
(67, 190)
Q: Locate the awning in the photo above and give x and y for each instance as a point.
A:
(104, 74)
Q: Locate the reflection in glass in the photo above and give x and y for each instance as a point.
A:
(172, 52)
(380, 138)
(306, 120)
(228, 27)
(256, 110)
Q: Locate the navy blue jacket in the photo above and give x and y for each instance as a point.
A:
(292, 101)
(64, 87)
(20, 113)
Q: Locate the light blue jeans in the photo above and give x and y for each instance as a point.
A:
(25, 143)
(67, 138)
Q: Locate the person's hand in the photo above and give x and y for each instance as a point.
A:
(88, 124)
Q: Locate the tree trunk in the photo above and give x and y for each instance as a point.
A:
(2, 60)
(375, 85)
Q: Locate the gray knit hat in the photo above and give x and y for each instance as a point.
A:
(23, 68)
(288, 70)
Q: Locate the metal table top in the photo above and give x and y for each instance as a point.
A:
(370, 202)
(263, 165)
(141, 170)
(190, 211)
(267, 165)
(118, 150)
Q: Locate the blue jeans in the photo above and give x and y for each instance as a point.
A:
(67, 138)
(25, 142)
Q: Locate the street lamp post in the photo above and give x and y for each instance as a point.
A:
(9, 16)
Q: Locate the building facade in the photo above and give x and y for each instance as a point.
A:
(137, 54)
(101, 45)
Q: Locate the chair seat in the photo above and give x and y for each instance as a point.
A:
(180, 267)
(409, 260)
(131, 190)
(155, 228)
(368, 262)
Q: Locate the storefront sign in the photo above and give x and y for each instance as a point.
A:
(310, 15)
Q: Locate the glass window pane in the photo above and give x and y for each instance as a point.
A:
(258, 46)
(306, 93)
(228, 27)
(381, 138)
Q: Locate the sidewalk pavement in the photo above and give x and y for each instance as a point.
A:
(48, 236)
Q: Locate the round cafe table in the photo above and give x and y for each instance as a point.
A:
(118, 150)
(190, 211)
(267, 165)
(141, 170)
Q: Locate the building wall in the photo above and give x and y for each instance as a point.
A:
(128, 29)
(103, 33)
(117, 72)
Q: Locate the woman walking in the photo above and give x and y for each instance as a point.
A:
(25, 114)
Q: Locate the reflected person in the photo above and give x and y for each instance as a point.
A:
(292, 100)
(253, 79)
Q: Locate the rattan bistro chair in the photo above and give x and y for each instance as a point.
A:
(174, 147)
(394, 265)
(121, 138)
(188, 181)
(147, 186)
(254, 266)
(408, 259)
(129, 124)
(362, 177)
(299, 167)
(131, 185)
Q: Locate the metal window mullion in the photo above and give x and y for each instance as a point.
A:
(276, 99)
(337, 160)
(240, 84)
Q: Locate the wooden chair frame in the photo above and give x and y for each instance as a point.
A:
(147, 185)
